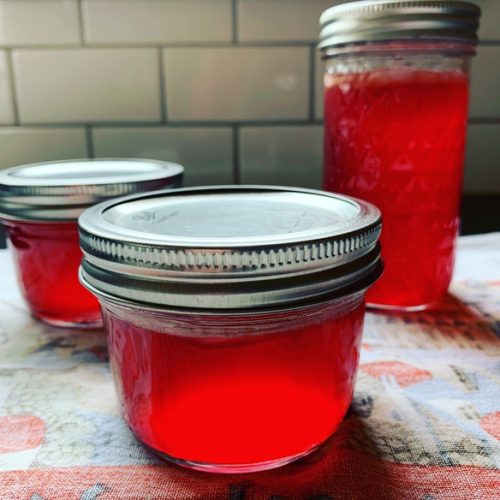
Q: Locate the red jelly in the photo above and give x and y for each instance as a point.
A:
(395, 124)
(413, 177)
(39, 207)
(234, 317)
(47, 257)
(236, 398)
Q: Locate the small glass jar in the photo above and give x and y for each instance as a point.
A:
(234, 317)
(39, 207)
(395, 110)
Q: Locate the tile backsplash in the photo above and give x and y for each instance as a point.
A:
(236, 83)
(6, 101)
(207, 152)
(232, 89)
(157, 21)
(275, 155)
(39, 22)
(87, 85)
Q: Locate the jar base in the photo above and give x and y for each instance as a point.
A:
(232, 468)
(59, 323)
(398, 308)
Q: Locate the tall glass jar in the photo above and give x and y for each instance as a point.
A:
(395, 110)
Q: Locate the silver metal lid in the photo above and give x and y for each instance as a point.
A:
(385, 20)
(229, 247)
(61, 190)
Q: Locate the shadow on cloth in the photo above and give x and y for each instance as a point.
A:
(453, 322)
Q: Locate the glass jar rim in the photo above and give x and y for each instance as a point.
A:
(234, 323)
(409, 47)
(229, 247)
(60, 190)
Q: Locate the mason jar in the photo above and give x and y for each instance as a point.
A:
(234, 317)
(39, 207)
(395, 115)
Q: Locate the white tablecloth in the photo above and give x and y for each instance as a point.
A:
(424, 421)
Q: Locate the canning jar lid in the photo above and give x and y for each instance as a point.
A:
(229, 247)
(387, 20)
(61, 190)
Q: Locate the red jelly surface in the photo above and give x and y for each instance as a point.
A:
(396, 138)
(236, 400)
(47, 257)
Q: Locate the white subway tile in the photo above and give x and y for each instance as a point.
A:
(482, 172)
(20, 145)
(6, 106)
(39, 22)
(285, 155)
(490, 18)
(206, 153)
(87, 85)
(280, 20)
(485, 85)
(240, 83)
(157, 21)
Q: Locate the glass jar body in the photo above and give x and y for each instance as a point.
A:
(395, 127)
(46, 257)
(235, 393)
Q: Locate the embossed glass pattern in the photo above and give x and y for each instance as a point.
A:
(235, 392)
(395, 124)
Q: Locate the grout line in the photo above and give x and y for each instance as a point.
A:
(180, 45)
(176, 124)
(81, 124)
(151, 45)
(163, 88)
(470, 195)
(204, 124)
(80, 23)
(234, 21)
(12, 84)
(118, 46)
(312, 82)
(489, 43)
(277, 43)
(90, 141)
(241, 123)
(236, 155)
(483, 121)
(48, 126)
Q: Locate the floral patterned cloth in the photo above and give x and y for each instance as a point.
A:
(424, 422)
